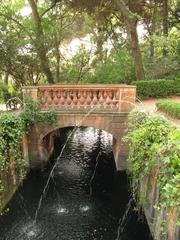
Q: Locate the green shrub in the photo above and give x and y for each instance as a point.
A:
(7, 92)
(157, 88)
(170, 107)
(4, 93)
(11, 131)
(33, 115)
(12, 128)
(117, 68)
(155, 144)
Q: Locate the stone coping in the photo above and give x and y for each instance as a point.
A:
(80, 86)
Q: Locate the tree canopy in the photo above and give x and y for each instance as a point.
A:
(130, 38)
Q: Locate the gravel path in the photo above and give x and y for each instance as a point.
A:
(150, 106)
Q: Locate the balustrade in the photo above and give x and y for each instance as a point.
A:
(79, 97)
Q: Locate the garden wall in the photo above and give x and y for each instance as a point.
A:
(162, 222)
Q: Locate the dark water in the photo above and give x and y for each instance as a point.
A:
(79, 204)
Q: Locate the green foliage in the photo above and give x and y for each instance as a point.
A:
(170, 107)
(118, 68)
(33, 114)
(11, 131)
(75, 69)
(171, 43)
(157, 88)
(161, 67)
(4, 93)
(5, 211)
(158, 66)
(7, 92)
(1, 187)
(20, 44)
(155, 145)
(136, 119)
(12, 128)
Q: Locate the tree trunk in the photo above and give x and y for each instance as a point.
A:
(57, 40)
(136, 52)
(152, 31)
(151, 45)
(6, 78)
(39, 43)
(99, 43)
(165, 23)
(57, 65)
(131, 25)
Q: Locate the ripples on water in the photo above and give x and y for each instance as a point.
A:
(68, 212)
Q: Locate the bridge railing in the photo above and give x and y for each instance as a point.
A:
(80, 97)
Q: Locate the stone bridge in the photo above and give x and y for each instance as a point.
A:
(104, 107)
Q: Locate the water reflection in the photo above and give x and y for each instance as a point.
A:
(69, 211)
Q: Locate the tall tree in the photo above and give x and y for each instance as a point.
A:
(165, 23)
(131, 21)
(129, 16)
(39, 42)
(150, 17)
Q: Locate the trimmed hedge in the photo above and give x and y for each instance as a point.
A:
(170, 107)
(157, 88)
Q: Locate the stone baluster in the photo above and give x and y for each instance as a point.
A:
(85, 98)
(101, 99)
(75, 99)
(116, 99)
(108, 100)
(95, 99)
(55, 98)
(43, 99)
(46, 97)
(111, 98)
(78, 97)
(113, 101)
(62, 99)
(105, 98)
(49, 97)
(68, 100)
(81, 98)
(88, 100)
(58, 95)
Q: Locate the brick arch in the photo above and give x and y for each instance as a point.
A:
(41, 145)
(110, 123)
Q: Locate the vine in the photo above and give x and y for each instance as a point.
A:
(33, 114)
(12, 128)
(155, 145)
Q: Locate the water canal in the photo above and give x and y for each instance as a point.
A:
(84, 200)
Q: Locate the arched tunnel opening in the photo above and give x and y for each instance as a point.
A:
(91, 150)
(78, 195)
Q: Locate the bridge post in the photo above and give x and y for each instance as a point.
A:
(38, 151)
(120, 151)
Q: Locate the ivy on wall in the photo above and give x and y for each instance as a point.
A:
(155, 145)
(12, 128)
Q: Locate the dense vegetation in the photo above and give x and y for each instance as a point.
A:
(34, 35)
(157, 88)
(155, 149)
(170, 107)
(12, 128)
